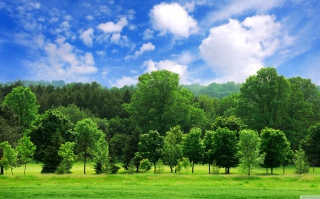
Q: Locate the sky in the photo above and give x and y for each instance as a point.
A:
(114, 42)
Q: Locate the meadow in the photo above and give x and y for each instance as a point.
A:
(165, 185)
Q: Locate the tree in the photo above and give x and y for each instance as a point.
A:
(25, 151)
(301, 162)
(101, 157)
(172, 148)
(192, 146)
(160, 103)
(185, 163)
(23, 103)
(225, 148)
(274, 145)
(287, 157)
(263, 100)
(208, 148)
(51, 130)
(150, 146)
(74, 113)
(311, 145)
(68, 157)
(232, 123)
(131, 148)
(9, 155)
(249, 151)
(87, 135)
(145, 165)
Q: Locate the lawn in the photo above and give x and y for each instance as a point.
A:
(149, 185)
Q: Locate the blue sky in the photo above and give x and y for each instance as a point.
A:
(113, 42)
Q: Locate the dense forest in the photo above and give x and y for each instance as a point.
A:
(160, 122)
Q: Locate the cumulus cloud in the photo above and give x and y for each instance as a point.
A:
(173, 18)
(237, 49)
(126, 81)
(110, 27)
(145, 47)
(87, 37)
(170, 66)
(89, 17)
(64, 61)
(148, 34)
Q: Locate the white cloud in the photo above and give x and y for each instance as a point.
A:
(148, 34)
(169, 65)
(115, 38)
(63, 61)
(236, 7)
(68, 18)
(189, 6)
(87, 37)
(236, 50)
(101, 53)
(145, 47)
(173, 18)
(89, 17)
(126, 81)
(186, 58)
(110, 27)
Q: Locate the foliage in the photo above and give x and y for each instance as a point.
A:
(131, 148)
(232, 123)
(68, 157)
(160, 103)
(214, 89)
(192, 146)
(25, 150)
(208, 148)
(263, 100)
(9, 158)
(23, 103)
(87, 135)
(225, 148)
(101, 157)
(145, 165)
(311, 145)
(172, 148)
(301, 162)
(51, 130)
(249, 151)
(160, 166)
(74, 113)
(186, 164)
(150, 146)
(274, 144)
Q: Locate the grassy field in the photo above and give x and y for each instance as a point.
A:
(149, 185)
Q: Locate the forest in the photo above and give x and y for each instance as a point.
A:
(268, 121)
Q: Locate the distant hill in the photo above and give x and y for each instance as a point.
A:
(55, 84)
(214, 89)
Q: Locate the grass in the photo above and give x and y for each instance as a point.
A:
(149, 185)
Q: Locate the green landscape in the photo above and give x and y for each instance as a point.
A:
(160, 139)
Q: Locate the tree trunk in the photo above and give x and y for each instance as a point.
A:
(84, 165)
(271, 170)
(266, 170)
(25, 167)
(171, 169)
(284, 167)
(249, 169)
(192, 167)
(11, 171)
(209, 168)
(1, 170)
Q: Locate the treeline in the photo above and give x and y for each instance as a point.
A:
(135, 125)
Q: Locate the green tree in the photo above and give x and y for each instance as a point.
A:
(263, 100)
(130, 148)
(172, 148)
(23, 103)
(160, 103)
(87, 134)
(25, 151)
(311, 145)
(249, 151)
(301, 162)
(74, 113)
(9, 155)
(51, 130)
(225, 148)
(232, 123)
(274, 145)
(66, 152)
(150, 146)
(101, 157)
(145, 165)
(192, 146)
(208, 148)
(185, 163)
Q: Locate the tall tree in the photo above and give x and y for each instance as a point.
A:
(311, 145)
(192, 146)
(274, 145)
(51, 130)
(249, 151)
(225, 148)
(87, 136)
(130, 148)
(263, 100)
(160, 103)
(232, 123)
(25, 151)
(172, 148)
(150, 146)
(208, 148)
(9, 155)
(301, 162)
(24, 104)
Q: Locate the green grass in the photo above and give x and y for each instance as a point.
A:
(149, 185)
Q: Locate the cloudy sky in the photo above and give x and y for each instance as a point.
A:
(113, 42)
